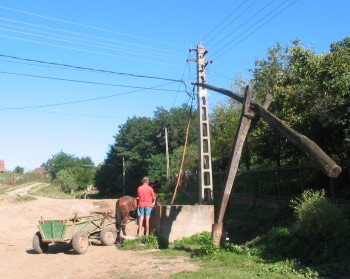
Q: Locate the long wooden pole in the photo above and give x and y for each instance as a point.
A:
(328, 166)
(182, 162)
(242, 132)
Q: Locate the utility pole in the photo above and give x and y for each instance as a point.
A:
(123, 177)
(204, 149)
(167, 154)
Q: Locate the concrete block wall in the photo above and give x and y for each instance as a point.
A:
(174, 222)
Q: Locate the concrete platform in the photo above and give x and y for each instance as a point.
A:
(174, 222)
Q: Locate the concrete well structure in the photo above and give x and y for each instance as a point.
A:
(174, 222)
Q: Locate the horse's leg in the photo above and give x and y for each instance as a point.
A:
(118, 239)
(118, 220)
(125, 220)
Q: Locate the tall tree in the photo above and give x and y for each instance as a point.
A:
(311, 94)
(71, 172)
(140, 141)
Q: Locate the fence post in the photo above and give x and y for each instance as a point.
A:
(331, 186)
(301, 178)
(278, 182)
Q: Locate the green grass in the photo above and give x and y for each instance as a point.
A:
(230, 261)
(231, 265)
(140, 243)
(262, 245)
(50, 191)
(244, 223)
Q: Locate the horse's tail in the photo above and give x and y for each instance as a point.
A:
(118, 216)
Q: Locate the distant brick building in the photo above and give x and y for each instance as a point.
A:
(2, 166)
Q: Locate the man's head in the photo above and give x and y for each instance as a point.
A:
(145, 180)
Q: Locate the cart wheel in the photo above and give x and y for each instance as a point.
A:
(108, 236)
(38, 245)
(80, 242)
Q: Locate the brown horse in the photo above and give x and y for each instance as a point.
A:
(125, 208)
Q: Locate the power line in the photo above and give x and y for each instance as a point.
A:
(84, 44)
(70, 114)
(244, 23)
(83, 81)
(89, 69)
(251, 33)
(89, 26)
(183, 73)
(232, 21)
(222, 76)
(74, 41)
(90, 99)
(90, 36)
(89, 51)
(33, 64)
(221, 22)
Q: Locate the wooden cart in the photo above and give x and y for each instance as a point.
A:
(76, 231)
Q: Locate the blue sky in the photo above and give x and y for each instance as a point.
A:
(47, 108)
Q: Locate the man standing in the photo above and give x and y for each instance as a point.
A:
(146, 198)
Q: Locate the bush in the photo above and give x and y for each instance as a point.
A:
(316, 217)
(187, 243)
(321, 231)
(66, 180)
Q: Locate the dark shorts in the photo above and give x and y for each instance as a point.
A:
(144, 211)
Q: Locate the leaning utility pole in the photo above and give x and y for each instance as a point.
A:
(204, 149)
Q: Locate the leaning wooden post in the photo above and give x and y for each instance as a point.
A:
(243, 129)
(309, 147)
(247, 122)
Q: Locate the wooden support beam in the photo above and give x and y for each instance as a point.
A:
(309, 147)
(242, 132)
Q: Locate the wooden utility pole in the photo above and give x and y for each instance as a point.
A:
(123, 190)
(167, 154)
(204, 149)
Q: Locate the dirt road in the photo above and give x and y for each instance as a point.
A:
(18, 222)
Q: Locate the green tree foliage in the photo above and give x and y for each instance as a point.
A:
(224, 121)
(109, 174)
(176, 120)
(157, 167)
(18, 170)
(66, 181)
(141, 143)
(311, 94)
(79, 170)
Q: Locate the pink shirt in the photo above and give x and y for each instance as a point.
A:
(146, 195)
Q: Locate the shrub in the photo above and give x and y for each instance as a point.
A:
(66, 180)
(316, 217)
(321, 231)
(195, 241)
